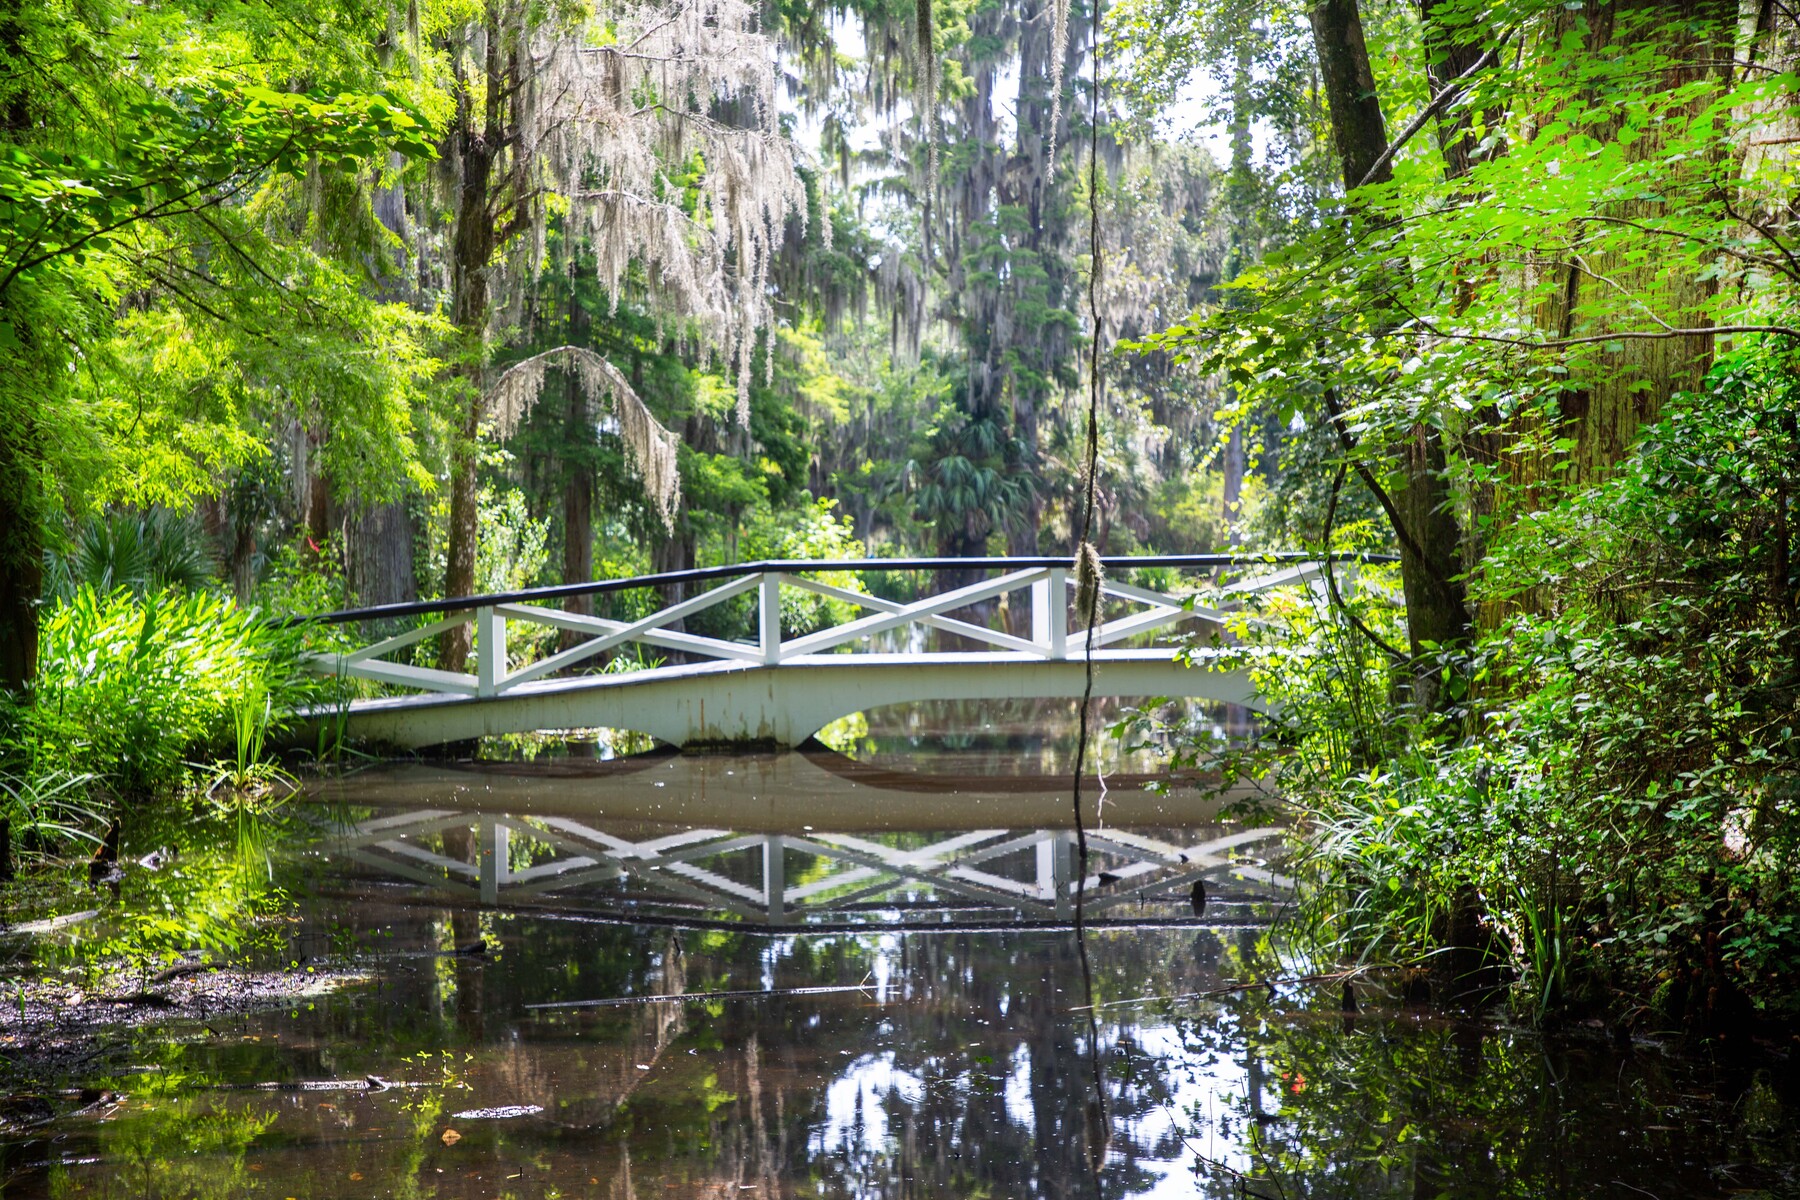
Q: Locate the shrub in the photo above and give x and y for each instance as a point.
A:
(129, 688)
(143, 552)
(1617, 811)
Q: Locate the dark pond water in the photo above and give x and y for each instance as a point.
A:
(831, 975)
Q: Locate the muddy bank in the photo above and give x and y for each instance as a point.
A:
(51, 1025)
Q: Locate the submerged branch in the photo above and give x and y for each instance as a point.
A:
(738, 994)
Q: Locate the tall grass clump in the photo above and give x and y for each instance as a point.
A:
(132, 689)
(1610, 816)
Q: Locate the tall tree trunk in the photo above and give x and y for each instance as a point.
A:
(1629, 385)
(1453, 46)
(1357, 127)
(1028, 185)
(21, 550)
(674, 552)
(578, 484)
(1451, 51)
(472, 250)
(378, 555)
(578, 540)
(1429, 533)
(1606, 403)
(21, 458)
(240, 559)
(1231, 511)
(1239, 200)
(459, 557)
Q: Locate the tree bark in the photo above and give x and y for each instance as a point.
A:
(1233, 489)
(1358, 129)
(459, 557)
(21, 531)
(1449, 53)
(1238, 201)
(379, 555)
(578, 485)
(1429, 534)
(1609, 400)
(472, 249)
(21, 551)
(318, 515)
(1628, 386)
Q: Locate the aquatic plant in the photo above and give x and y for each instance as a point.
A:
(130, 687)
(48, 808)
(250, 776)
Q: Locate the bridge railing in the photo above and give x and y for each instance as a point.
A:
(1048, 583)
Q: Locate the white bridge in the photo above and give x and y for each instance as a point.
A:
(785, 686)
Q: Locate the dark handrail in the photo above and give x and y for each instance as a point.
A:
(802, 566)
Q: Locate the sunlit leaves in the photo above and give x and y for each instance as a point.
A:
(1616, 201)
(181, 155)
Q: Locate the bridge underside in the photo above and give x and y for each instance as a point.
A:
(721, 702)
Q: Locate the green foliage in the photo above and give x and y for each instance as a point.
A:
(813, 532)
(973, 482)
(513, 553)
(217, 373)
(1551, 278)
(157, 311)
(249, 778)
(810, 532)
(171, 157)
(303, 581)
(1619, 815)
(140, 552)
(213, 892)
(130, 687)
(49, 807)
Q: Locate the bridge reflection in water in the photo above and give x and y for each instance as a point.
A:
(808, 839)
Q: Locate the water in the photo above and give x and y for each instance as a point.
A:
(907, 1021)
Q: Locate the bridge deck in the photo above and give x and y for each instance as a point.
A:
(784, 704)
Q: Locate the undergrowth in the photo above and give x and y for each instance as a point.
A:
(1611, 812)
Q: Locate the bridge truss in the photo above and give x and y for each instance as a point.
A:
(783, 688)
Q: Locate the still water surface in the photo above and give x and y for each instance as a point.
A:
(848, 975)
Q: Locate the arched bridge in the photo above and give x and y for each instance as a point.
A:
(782, 688)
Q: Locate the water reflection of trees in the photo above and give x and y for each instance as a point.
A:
(1406, 1103)
(965, 1077)
(1022, 736)
(968, 1079)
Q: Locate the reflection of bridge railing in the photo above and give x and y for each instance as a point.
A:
(985, 874)
(1048, 583)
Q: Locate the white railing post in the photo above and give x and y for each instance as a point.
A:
(1055, 870)
(1050, 612)
(769, 616)
(775, 879)
(490, 651)
(495, 847)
